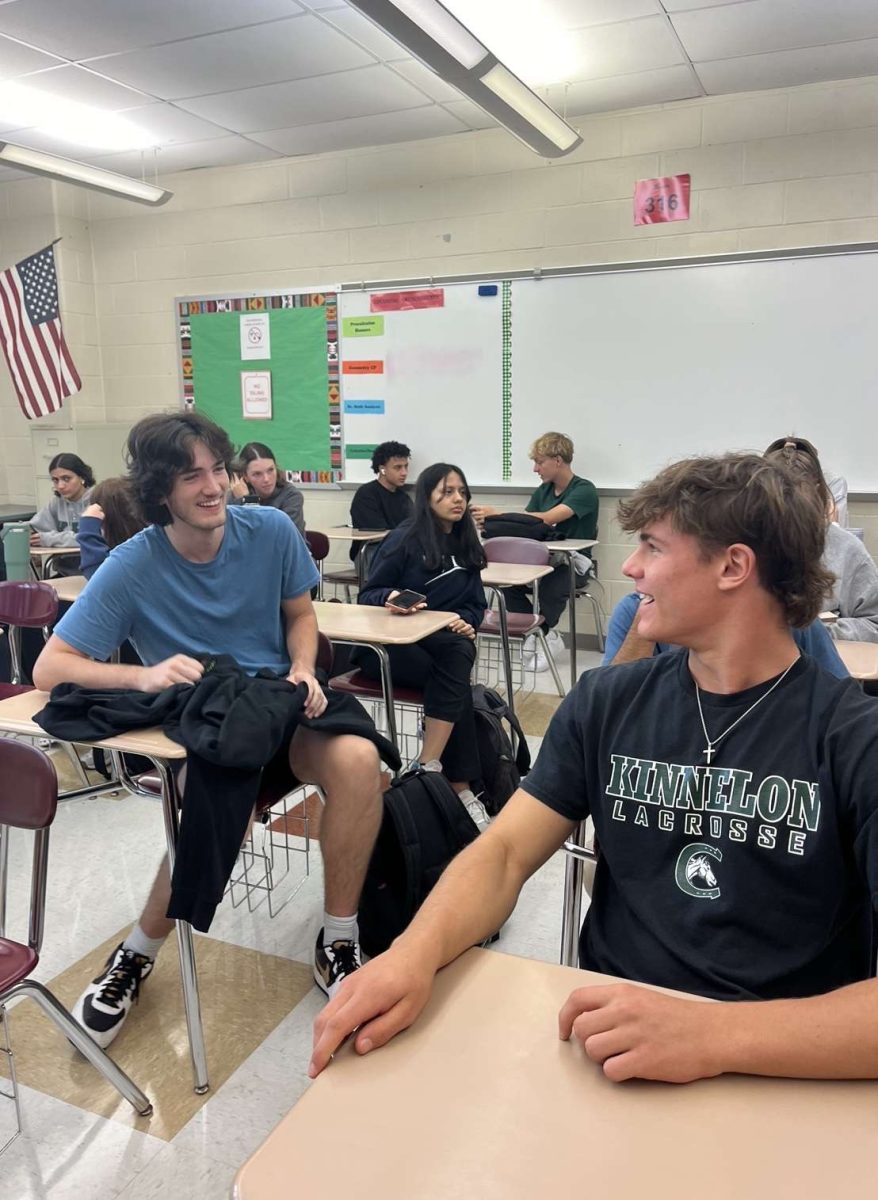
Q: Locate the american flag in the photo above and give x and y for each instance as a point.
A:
(33, 342)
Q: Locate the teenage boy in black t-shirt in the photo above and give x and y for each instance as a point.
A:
(384, 503)
(732, 787)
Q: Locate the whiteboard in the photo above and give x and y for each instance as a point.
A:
(440, 384)
(641, 367)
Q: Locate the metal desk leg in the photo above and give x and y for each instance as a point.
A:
(572, 910)
(572, 570)
(387, 691)
(4, 871)
(507, 653)
(188, 972)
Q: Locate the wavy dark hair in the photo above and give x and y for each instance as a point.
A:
(758, 502)
(122, 518)
(72, 462)
(160, 448)
(463, 540)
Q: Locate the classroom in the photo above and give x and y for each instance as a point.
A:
(462, 293)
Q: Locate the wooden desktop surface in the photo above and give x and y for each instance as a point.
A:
(67, 587)
(43, 552)
(502, 574)
(17, 712)
(571, 545)
(860, 658)
(368, 623)
(347, 533)
(481, 1101)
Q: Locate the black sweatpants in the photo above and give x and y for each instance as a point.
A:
(441, 665)
(554, 593)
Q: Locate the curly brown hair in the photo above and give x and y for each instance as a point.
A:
(746, 499)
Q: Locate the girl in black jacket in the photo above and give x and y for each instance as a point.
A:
(438, 554)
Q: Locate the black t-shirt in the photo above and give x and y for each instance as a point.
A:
(374, 507)
(753, 878)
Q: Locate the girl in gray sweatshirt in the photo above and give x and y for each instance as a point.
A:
(56, 524)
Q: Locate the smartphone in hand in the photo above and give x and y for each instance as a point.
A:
(408, 599)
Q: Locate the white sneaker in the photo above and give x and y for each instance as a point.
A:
(432, 765)
(532, 657)
(555, 641)
(475, 808)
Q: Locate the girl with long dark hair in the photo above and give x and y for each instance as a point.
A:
(56, 524)
(438, 554)
(255, 480)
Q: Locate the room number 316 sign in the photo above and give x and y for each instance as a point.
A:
(665, 199)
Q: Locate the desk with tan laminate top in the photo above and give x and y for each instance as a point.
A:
(480, 1100)
(67, 587)
(41, 557)
(499, 575)
(860, 658)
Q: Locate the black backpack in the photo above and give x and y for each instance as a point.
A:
(424, 826)
(518, 525)
(501, 772)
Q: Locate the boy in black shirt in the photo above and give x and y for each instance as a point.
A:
(732, 789)
(383, 503)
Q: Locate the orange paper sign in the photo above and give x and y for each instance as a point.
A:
(665, 199)
(363, 367)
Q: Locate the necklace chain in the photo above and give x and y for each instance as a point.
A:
(710, 748)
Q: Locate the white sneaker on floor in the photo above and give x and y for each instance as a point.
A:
(475, 808)
(432, 764)
(555, 641)
(532, 657)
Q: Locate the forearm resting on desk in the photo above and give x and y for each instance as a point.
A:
(61, 663)
(471, 901)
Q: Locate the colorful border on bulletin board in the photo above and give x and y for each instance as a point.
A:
(282, 300)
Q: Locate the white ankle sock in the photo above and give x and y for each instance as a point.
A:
(340, 929)
(141, 944)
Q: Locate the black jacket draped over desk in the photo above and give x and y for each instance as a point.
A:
(232, 725)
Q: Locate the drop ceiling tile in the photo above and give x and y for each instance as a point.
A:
(241, 58)
(471, 115)
(305, 101)
(425, 79)
(576, 14)
(79, 29)
(686, 5)
(218, 152)
(75, 83)
(362, 131)
(16, 59)
(366, 34)
(168, 123)
(624, 48)
(761, 26)
(789, 68)
(624, 91)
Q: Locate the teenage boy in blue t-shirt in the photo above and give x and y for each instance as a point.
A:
(732, 788)
(203, 578)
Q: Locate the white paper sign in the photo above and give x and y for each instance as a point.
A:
(255, 336)
(256, 395)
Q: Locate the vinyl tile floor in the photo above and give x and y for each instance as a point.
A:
(102, 858)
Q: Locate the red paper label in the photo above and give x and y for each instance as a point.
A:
(665, 199)
(396, 301)
(363, 367)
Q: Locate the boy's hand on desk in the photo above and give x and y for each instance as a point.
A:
(315, 705)
(377, 1002)
(178, 669)
(635, 1033)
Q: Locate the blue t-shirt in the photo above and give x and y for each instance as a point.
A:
(813, 641)
(145, 591)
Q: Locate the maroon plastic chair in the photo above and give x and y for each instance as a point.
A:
(28, 800)
(318, 544)
(519, 625)
(24, 605)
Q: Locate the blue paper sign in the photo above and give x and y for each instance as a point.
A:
(364, 406)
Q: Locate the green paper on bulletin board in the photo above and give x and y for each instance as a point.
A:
(298, 431)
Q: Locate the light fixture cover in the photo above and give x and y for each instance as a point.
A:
(71, 171)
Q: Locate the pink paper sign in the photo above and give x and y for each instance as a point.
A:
(665, 199)
(397, 301)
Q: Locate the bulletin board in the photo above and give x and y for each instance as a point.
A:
(266, 368)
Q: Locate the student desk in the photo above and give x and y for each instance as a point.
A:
(860, 658)
(499, 575)
(16, 716)
(568, 547)
(41, 557)
(15, 512)
(376, 628)
(67, 587)
(479, 1100)
(347, 533)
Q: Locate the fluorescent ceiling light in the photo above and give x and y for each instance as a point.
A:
(421, 27)
(527, 37)
(71, 171)
(519, 96)
(24, 107)
(438, 22)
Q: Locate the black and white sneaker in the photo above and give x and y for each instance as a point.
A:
(334, 963)
(106, 1002)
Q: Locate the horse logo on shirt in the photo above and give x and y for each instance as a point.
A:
(694, 873)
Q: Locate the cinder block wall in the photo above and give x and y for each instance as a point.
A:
(794, 167)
